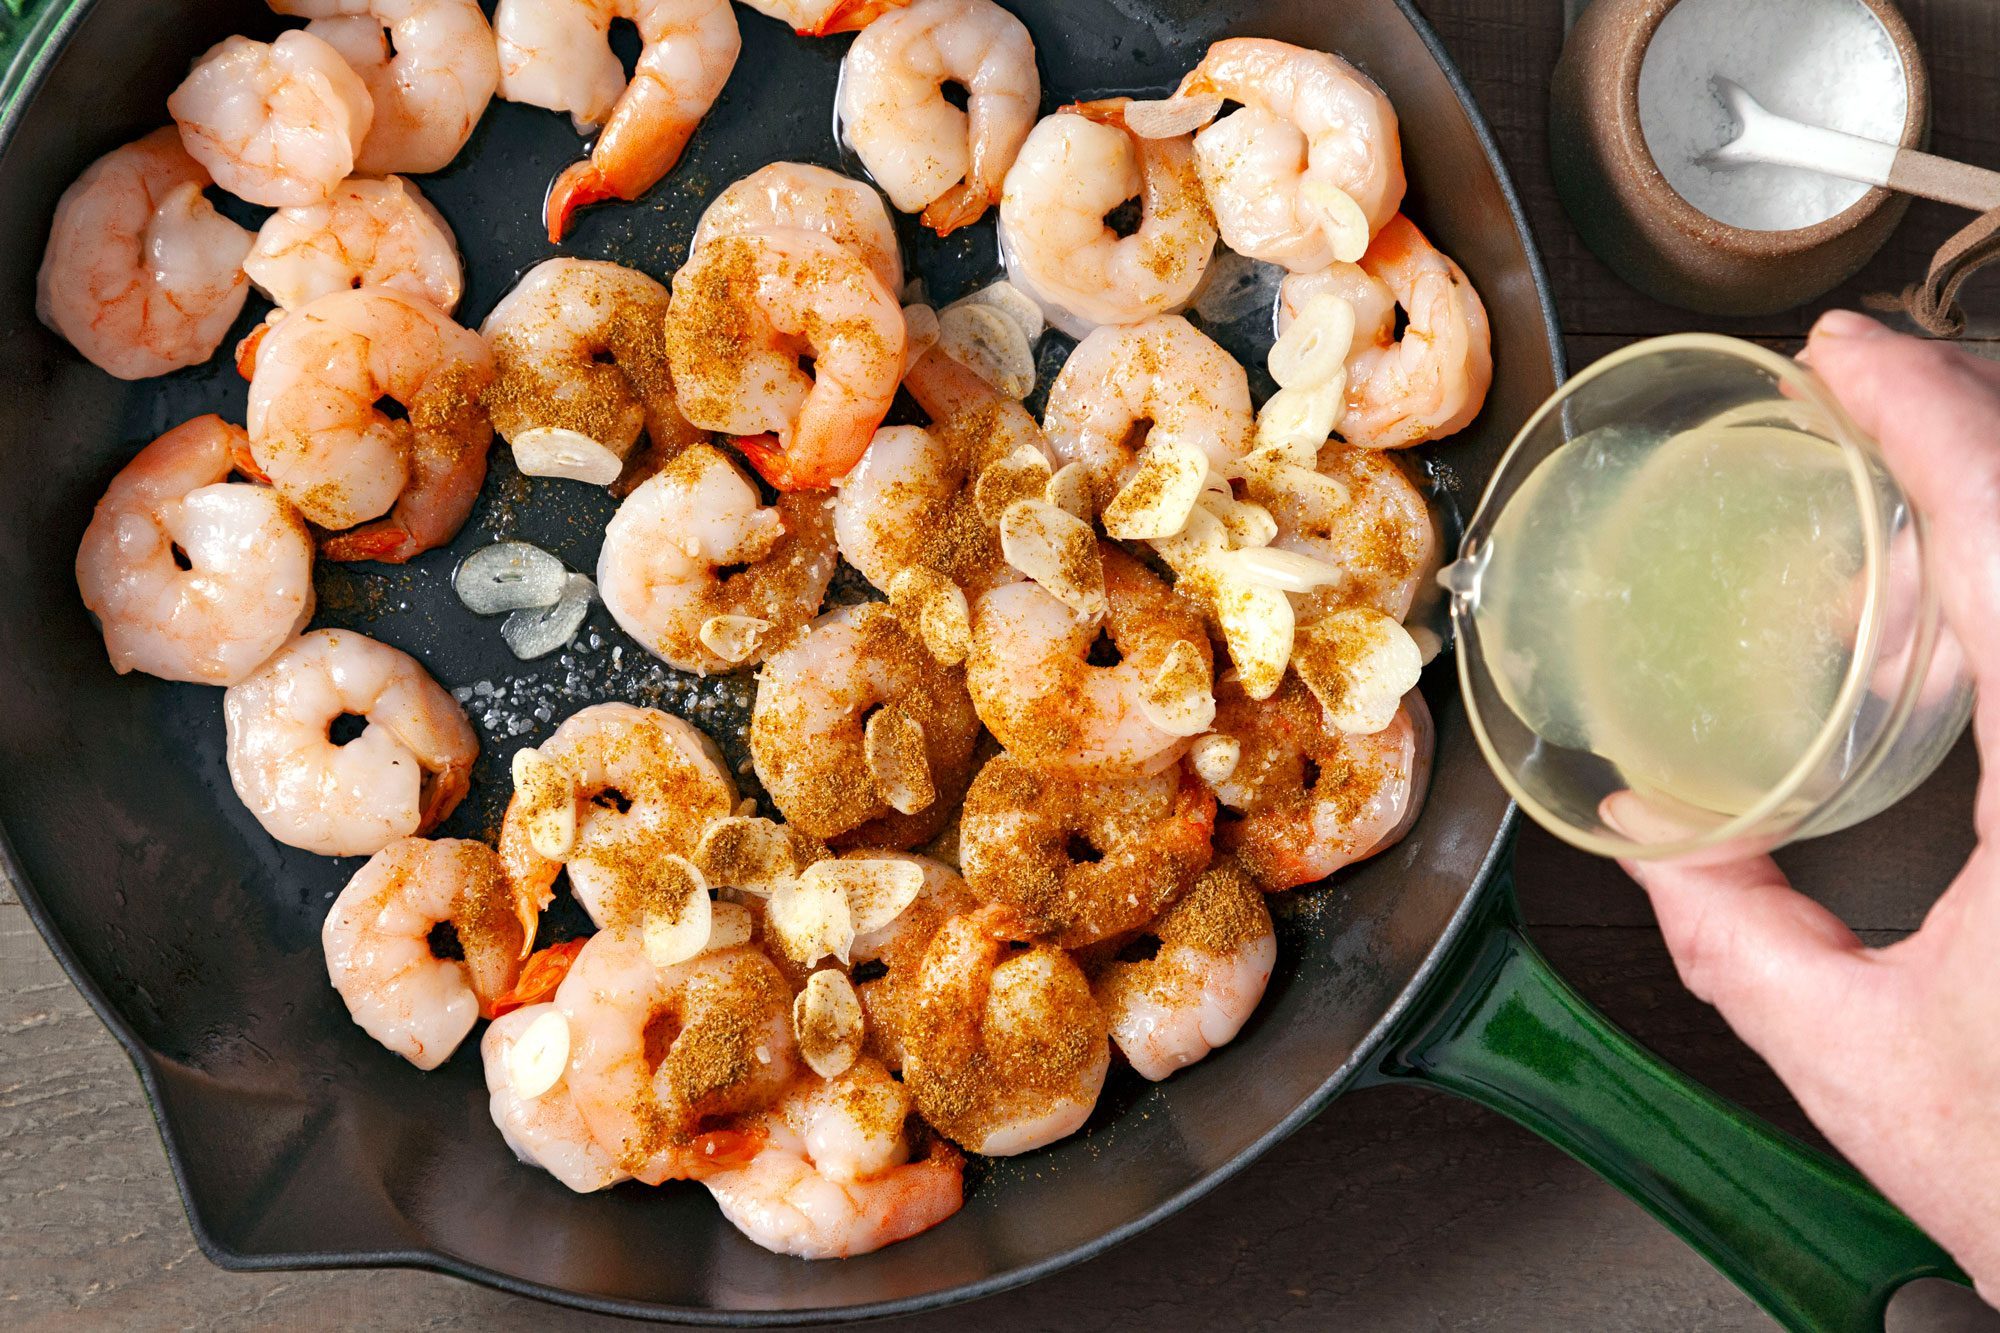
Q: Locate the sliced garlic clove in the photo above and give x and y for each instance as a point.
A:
(1287, 571)
(898, 764)
(1069, 490)
(1359, 663)
(1187, 550)
(547, 801)
(1156, 501)
(1180, 699)
(679, 913)
(1021, 475)
(1012, 302)
(1214, 758)
(938, 609)
(1302, 418)
(920, 334)
(990, 344)
(1171, 117)
(1057, 550)
(1429, 642)
(1258, 625)
(753, 854)
(808, 918)
(1246, 523)
(730, 925)
(538, 1058)
(551, 451)
(828, 1024)
(509, 576)
(1340, 219)
(733, 638)
(1314, 346)
(876, 890)
(1299, 453)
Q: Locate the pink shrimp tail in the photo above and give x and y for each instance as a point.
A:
(579, 186)
(851, 16)
(960, 206)
(390, 543)
(777, 467)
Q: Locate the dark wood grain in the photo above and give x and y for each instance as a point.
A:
(1395, 1210)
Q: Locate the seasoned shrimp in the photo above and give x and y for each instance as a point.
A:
(1076, 168)
(403, 774)
(1309, 800)
(889, 961)
(745, 309)
(557, 54)
(1162, 378)
(1082, 859)
(579, 351)
(545, 1130)
(247, 585)
(659, 572)
(1216, 952)
(859, 734)
(371, 233)
(141, 274)
(1309, 121)
(429, 91)
(659, 1057)
(378, 949)
(833, 1178)
(1037, 690)
(928, 155)
(909, 503)
(1008, 1051)
(793, 195)
(316, 430)
(1432, 381)
(1381, 538)
(640, 785)
(823, 18)
(277, 124)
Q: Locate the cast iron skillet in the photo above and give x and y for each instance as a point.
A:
(297, 1142)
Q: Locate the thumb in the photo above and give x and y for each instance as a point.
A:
(1773, 962)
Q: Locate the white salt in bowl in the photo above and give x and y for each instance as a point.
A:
(1631, 214)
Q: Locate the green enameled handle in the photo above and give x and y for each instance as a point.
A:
(1806, 1237)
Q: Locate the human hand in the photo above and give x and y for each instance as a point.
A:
(1890, 1051)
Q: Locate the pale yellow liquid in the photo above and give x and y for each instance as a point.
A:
(1681, 606)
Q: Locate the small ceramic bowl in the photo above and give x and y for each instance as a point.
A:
(1658, 241)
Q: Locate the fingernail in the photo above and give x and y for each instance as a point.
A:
(1847, 324)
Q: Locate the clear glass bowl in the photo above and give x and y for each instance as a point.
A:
(1903, 693)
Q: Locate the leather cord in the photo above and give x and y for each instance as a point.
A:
(1933, 303)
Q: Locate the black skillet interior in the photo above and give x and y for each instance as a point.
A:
(298, 1141)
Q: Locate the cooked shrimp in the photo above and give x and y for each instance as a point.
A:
(928, 155)
(1162, 378)
(277, 124)
(663, 550)
(1308, 118)
(369, 234)
(1216, 952)
(891, 960)
(1308, 799)
(1381, 538)
(1076, 168)
(909, 504)
(1432, 381)
(792, 195)
(547, 1130)
(824, 702)
(834, 1178)
(557, 54)
(745, 309)
(141, 274)
(1008, 1051)
(660, 1056)
(1037, 690)
(823, 18)
(429, 92)
(378, 949)
(642, 785)
(247, 585)
(402, 775)
(1082, 859)
(316, 430)
(578, 347)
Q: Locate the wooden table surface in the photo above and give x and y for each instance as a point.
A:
(1396, 1209)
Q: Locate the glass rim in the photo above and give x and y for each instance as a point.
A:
(1856, 449)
